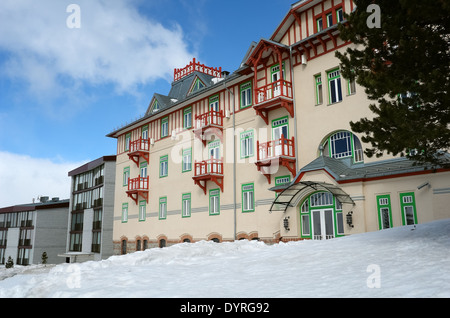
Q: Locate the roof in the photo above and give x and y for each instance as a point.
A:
(91, 165)
(51, 204)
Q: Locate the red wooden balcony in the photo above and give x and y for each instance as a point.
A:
(139, 148)
(280, 151)
(138, 187)
(210, 122)
(272, 96)
(208, 170)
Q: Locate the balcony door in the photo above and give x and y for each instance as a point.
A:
(280, 128)
(214, 154)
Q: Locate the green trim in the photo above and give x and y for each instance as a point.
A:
(162, 201)
(124, 216)
(247, 188)
(244, 88)
(142, 216)
(144, 129)
(328, 22)
(317, 24)
(126, 172)
(339, 20)
(127, 141)
(408, 199)
(164, 120)
(197, 85)
(142, 166)
(186, 152)
(214, 193)
(186, 197)
(214, 99)
(279, 122)
(163, 159)
(384, 201)
(186, 111)
(334, 77)
(244, 137)
(318, 82)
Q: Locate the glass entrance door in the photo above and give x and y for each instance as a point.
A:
(323, 225)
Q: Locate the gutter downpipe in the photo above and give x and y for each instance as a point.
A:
(295, 108)
(234, 160)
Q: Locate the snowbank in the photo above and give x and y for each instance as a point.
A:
(400, 262)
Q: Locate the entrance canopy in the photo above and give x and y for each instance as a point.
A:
(291, 196)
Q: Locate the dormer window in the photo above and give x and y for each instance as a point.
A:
(196, 86)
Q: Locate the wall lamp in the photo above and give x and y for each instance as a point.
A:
(286, 223)
(349, 218)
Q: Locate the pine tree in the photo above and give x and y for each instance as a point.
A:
(9, 263)
(44, 258)
(404, 65)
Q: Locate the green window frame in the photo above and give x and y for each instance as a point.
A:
(280, 122)
(214, 202)
(408, 207)
(247, 144)
(143, 170)
(162, 208)
(186, 205)
(214, 103)
(164, 127)
(246, 95)
(384, 211)
(187, 118)
(339, 15)
(319, 89)
(144, 133)
(319, 24)
(248, 197)
(334, 86)
(124, 213)
(163, 166)
(282, 180)
(127, 141)
(126, 175)
(329, 17)
(142, 210)
(186, 160)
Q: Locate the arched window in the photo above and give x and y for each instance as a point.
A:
(343, 144)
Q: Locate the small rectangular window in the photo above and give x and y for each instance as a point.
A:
(339, 15)
(319, 24)
(164, 166)
(334, 86)
(248, 197)
(164, 127)
(127, 141)
(187, 118)
(214, 202)
(186, 205)
(187, 160)
(142, 210)
(318, 82)
(126, 176)
(124, 212)
(247, 144)
(329, 20)
(162, 208)
(384, 211)
(246, 94)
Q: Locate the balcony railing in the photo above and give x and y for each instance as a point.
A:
(138, 184)
(280, 88)
(282, 147)
(212, 117)
(210, 166)
(140, 145)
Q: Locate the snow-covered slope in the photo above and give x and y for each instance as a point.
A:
(399, 262)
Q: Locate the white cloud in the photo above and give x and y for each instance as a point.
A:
(115, 44)
(24, 178)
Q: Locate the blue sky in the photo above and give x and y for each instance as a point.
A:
(63, 89)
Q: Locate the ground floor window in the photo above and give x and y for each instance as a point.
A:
(321, 217)
(384, 211)
(408, 207)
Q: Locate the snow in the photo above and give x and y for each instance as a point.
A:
(406, 261)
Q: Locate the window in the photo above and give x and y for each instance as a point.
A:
(164, 127)
(187, 118)
(197, 85)
(280, 128)
(384, 212)
(340, 144)
(145, 132)
(351, 87)
(143, 168)
(124, 212)
(187, 160)
(214, 202)
(321, 199)
(282, 180)
(408, 206)
(319, 24)
(186, 205)
(142, 210)
(163, 166)
(155, 107)
(318, 81)
(339, 15)
(248, 197)
(127, 141)
(246, 94)
(162, 208)
(329, 19)
(334, 86)
(214, 103)
(247, 144)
